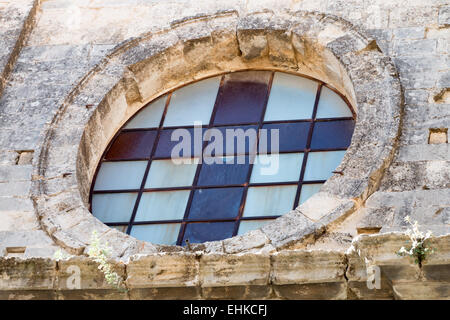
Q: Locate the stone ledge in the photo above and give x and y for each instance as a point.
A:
(287, 274)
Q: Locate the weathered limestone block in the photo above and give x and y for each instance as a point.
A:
(163, 270)
(168, 293)
(289, 228)
(252, 240)
(237, 292)
(32, 274)
(322, 204)
(422, 291)
(234, 270)
(82, 273)
(252, 35)
(313, 291)
(295, 267)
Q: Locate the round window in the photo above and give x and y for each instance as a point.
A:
(221, 156)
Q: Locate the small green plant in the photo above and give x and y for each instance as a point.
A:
(99, 253)
(61, 255)
(418, 249)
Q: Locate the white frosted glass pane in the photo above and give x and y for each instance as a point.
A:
(162, 205)
(269, 201)
(320, 165)
(120, 175)
(150, 116)
(308, 190)
(165, 173)
(113, 207)
(267, 168)
(248, 225)
(157, 233)
(331, 105)
(193, 102)
(291, 97)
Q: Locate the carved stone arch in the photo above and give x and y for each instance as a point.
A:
(139, 70)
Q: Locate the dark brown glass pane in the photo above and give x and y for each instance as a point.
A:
(332, 134)
(242, 98)
(210, 231)
(216, 203)
(132, 145)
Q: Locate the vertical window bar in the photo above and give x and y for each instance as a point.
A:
(308, 146)
(199, 167)
(147, 169)
(250, 169)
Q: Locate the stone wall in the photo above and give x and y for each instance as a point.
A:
(60, 62)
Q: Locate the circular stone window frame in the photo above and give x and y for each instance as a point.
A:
(137, 71)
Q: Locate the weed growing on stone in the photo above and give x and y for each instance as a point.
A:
(99, 253)
(418, 249)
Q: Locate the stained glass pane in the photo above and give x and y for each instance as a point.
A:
(332, 134)
(165, 173)
(248, 225)
(283, 167)
(291, 136)
(242, 97)
(210, 231)
(191, 103)
(113, 207)
(216, 203)
(269, 201)
(132, 145)
(149, 116)
(180, 142)
(162, 205)
(157, 233)
(231, 140)
(120, 175)
(331, 105)
(291, 98)
(308, 190)
(224, 171)
(320, 165)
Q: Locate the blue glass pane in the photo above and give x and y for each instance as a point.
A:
(191, 103)
(308, 190)
(113, 207)
(332, 134)
(157, 233)
(331, 105)
(162, 205)
(320, 165)
(120, 175)
(225, 173)
(292, 136)
(211, 231)
(165, 173)
(269, 201)
(277, 168)
(231, 140)
(242, 97)
(291, 98)
(216, 203)
(185, 142)
(149, 116)
(248, 225)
